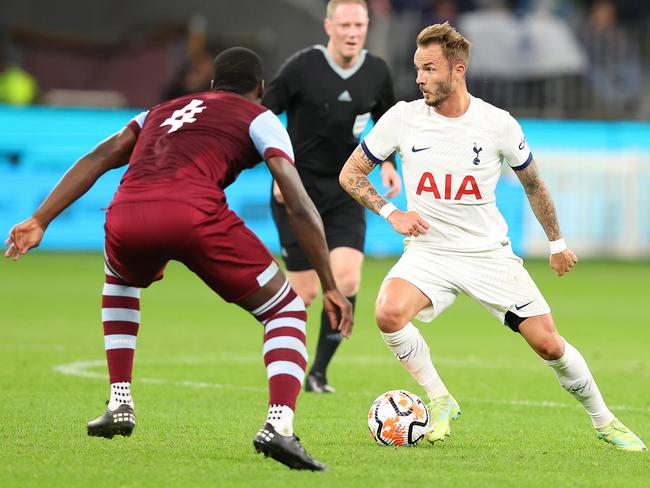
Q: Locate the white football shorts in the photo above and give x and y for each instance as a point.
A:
(497, 280)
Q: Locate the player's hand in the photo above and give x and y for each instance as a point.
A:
(391, 180)
(563, 262)
(335, 305)
(408, 223)
(23, 237)
(277, 194)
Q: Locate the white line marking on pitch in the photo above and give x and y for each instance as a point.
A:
(639, 367)
(37, 347)
(546, 404)
(82, 369)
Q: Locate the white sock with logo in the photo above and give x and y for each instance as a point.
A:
(574, 376)
(281, 418)
(410, 349)
(120, 395)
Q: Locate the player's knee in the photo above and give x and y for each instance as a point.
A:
(347, 281)
(550, 347)
(389, 316)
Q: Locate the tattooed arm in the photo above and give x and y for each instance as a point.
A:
(540, 200)
(541, 203)
(354, 180)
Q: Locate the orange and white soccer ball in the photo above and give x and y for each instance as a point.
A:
(398, 418)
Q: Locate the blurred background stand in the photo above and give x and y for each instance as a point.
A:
(85, 98)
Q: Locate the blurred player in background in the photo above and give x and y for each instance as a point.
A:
(452, 146)
(329, 93)
(171, 205)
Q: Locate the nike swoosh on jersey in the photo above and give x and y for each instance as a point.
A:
(418, 149)
(519, 307)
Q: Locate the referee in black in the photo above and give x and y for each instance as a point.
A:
(329, 93)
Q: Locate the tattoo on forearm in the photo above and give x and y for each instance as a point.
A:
(540, 201)
(356, 183)
(362, 182)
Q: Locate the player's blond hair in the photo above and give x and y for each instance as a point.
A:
(332, 4)
(454, 46)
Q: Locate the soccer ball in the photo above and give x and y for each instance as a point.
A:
(398, 418)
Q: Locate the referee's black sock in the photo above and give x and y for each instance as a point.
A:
(328, 342)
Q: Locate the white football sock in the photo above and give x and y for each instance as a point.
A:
(410, 348)
(574, 376)
(281, 418)
(120, 395)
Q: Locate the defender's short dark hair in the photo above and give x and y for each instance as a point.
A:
(237, 70)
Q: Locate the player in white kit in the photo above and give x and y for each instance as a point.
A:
(452, 147)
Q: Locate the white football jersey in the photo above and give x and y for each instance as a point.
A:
(451, 167)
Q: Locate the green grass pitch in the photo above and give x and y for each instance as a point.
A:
(200, 387)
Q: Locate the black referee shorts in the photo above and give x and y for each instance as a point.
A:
(344, 220)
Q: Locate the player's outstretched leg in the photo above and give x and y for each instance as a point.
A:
(121, 319)
(575, 377)
(285, 356)
(410, 348)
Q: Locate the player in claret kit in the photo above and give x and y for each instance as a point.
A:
(171, 205)
(452, 147)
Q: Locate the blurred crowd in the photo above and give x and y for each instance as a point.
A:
(555, 58)
(558, 58)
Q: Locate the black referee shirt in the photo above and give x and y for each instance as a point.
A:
(328, 106)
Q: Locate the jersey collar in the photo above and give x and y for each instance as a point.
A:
(342, 72)
(472, 102)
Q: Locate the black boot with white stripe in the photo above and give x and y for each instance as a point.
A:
(120, 421)
(286, 450)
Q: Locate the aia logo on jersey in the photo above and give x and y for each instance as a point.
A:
(468, 186)
(477, 150)
(186, 115)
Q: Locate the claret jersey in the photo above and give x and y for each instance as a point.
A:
(451, 167)
(189, 149)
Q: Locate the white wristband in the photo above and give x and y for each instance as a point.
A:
(557, 246)
(387, 209)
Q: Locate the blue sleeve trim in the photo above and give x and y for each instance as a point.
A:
(524, 165)
(369, 154)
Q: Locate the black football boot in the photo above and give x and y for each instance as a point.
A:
(286, 450)
(120, 421)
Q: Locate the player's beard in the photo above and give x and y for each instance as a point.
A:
(442, 93)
